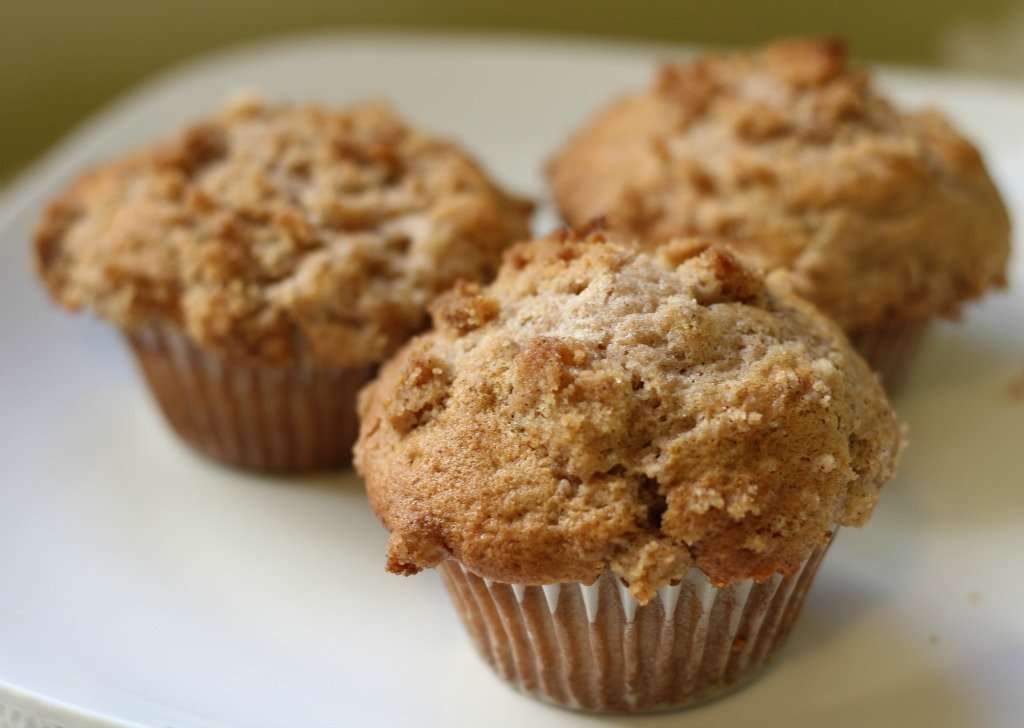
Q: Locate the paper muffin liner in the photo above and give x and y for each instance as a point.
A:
(595, 648)
(289, 419)
(890, 350)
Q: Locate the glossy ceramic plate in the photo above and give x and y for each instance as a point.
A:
(142, 585)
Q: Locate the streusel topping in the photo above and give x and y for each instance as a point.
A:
(600, 407)
(280, 231)
(881, 214)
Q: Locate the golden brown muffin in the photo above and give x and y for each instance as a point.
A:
(274, 251)
(885, 217)
(602, 408)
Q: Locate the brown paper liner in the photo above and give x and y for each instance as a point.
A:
(890, 350)
(595, 648)
(291, 419)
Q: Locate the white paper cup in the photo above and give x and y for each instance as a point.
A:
(890, 350)
(595, 648)
(288, 419)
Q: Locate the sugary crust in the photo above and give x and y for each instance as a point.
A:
(879, 213)
(279, 231)
(602, 407)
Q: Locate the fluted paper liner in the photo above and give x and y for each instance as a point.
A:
(890, 350)
(289, 419)
(596, 648)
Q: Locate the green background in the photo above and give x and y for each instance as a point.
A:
(61, 59)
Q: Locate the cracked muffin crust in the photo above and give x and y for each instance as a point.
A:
(280, 233)
(882, 215)
(601, 407)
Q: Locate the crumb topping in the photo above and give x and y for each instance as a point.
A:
(879, 213)
(601, 407)
(280, 231)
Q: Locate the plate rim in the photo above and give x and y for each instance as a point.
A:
(50, 712)
(31, 183)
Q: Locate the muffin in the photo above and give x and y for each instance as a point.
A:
(886, 218)
(262, 262)
(627, 465)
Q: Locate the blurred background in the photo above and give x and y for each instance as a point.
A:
(62, 59)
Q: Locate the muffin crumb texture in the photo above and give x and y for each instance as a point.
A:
(599, 407)
(278, 232)
(880, 214)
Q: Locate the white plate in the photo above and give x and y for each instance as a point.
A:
(143, 584)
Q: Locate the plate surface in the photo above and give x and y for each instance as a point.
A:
(141, 585)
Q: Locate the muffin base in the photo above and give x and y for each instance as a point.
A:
(890, 350)
(595, 648)
(286, 420)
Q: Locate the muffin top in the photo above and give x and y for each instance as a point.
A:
(601, 407)
(879, 213)
(280, 232)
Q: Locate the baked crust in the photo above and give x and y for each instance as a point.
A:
(881, 214)
(276, 232)
(603, 407)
